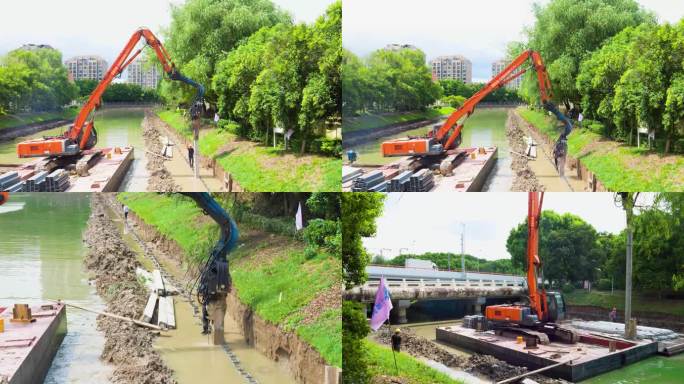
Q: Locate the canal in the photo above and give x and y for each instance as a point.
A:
(486, 127)
(116, 127)
(41, 257)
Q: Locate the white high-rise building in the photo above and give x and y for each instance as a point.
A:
(455, 67)
(499, 66)
(146, 76)
(86, 67)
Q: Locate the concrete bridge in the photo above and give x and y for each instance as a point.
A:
(405, 292)
(375, 272)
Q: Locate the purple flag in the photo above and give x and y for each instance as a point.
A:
(382, 307)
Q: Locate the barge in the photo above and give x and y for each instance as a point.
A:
(30, 338)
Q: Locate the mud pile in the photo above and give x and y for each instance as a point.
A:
(160, 179)
(127, 346)
(477, 364)
(524, 179)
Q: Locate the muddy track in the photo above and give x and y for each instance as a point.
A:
(160, 178)
(128, 347)
(477, 364)
(523, 177)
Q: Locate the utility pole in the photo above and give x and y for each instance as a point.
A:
(463, 268)
(628, 205)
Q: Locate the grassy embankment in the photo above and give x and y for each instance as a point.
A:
(263, 267)
(381, 362)
(640, 303)
(619, 167)
(351, 124)
(10, 121)
(261, 168)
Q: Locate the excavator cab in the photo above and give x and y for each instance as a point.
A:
(556, 305)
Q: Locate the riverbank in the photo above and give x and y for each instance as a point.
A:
(524, 179)
(286, 305)
(128, 347)
(610, 165)
(22, 120)
(368, 122)
(259, 168)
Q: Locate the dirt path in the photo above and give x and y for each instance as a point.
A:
(160, 178)
(128, 347)
(524, 179)
(477, 364)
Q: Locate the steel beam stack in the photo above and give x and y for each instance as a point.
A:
(57, 181)
(367, 182)
(421, 181)
(36, 183)
(400, 183)
(10, 182)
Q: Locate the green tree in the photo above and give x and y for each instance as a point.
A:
(567, 31)
(203, 31)
(567, 248)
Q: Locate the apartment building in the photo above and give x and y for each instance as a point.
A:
(499, 66)
(455, 67)
(146, 76)
(86, 67)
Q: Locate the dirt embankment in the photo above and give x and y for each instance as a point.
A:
(302, 360)
(160, 179)
(128, 347)
(477, 364)
(523, 177)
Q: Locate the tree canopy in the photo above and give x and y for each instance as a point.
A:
(34, 80)
(441, 259)
(118, 92)
(387, 81)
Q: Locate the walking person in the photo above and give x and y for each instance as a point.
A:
(191, 155)
(613, 315)
(125, 210)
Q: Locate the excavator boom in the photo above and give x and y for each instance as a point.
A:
(447, 136)
(81, 135)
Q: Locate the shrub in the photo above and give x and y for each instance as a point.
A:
(568, 288)
(354, 329)
(603, 285)
(325, 234)
(328, 147)
(229, 126)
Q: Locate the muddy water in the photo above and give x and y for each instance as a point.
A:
(187, 352)
(42, 257)
(115, 128)
(486, 127)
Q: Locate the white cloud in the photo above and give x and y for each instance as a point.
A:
(424, 222)
(479, 30)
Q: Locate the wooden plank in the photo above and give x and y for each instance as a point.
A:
(158, 282)
(516, 378)
(148, 313)
(112, 315)
(167, 314)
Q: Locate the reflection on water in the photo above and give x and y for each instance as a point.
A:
(115, 128)
(486, 127)
(658, 369)
(42, 257)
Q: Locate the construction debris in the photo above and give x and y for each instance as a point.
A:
(523, 177)
(160, 178)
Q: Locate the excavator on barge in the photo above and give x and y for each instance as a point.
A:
(81, 135)
(538, 318)
(440, 144)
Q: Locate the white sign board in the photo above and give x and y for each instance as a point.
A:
(279, 130)
(642, 130)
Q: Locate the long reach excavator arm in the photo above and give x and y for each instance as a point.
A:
(447, 137)
(82, 135)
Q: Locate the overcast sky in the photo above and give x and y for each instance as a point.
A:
(102, 27)
(477, 29)
(431, 222)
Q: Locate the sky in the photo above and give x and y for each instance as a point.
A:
(102, 27)
(478, 29)
(432, 222)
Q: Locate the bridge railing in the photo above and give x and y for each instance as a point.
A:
(450, 283)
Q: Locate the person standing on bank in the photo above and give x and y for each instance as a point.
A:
(396, 341)
(613, 315)
(191, 155)
(125, 210)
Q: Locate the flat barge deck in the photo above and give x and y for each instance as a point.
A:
(469, 174)
(589, 357)
(27, 348)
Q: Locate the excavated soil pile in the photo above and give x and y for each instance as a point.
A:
(160, 178)
(524, 179)
(479, 365)
(127, 346)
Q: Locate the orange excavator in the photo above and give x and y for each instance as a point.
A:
(536, 319)
(82, 135)
(446, 138)
(4, 196)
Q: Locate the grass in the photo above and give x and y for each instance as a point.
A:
(640, 303)
(381, 362)
(271, 273)
(618, 167)
(368, 121)
(261, 168)
(10, 121)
